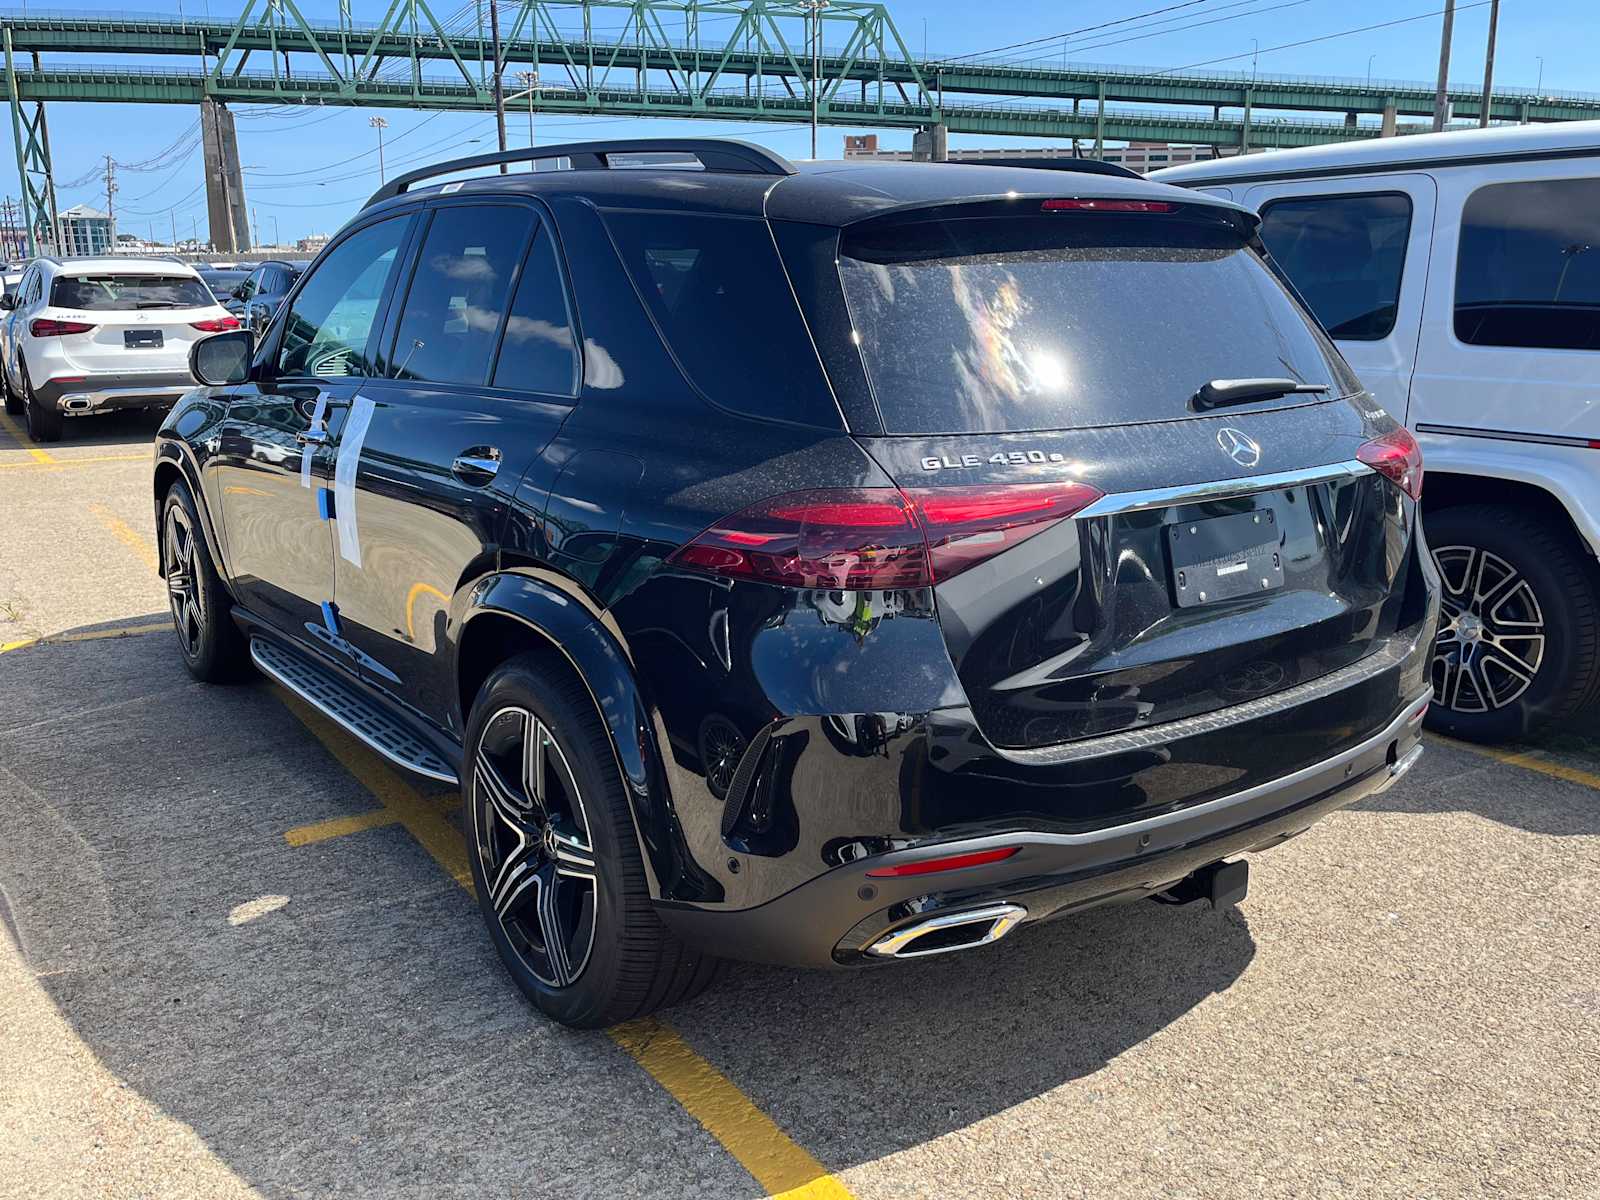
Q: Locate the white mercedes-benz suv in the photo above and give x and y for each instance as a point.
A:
(90, 335)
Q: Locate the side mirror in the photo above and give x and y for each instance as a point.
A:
(223, 359)
(237, 291)
(8, 302)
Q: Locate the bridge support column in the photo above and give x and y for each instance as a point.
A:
(930, 143)
(225, 204)
(32, 138)
(1389, 109)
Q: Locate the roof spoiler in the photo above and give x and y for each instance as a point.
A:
(1086, 166)
(726, 155)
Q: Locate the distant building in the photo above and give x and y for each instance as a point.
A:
(312, 243)
(85, 230)
(1136, 156)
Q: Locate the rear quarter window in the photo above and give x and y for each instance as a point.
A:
(1030, 323)
(721, 299)
(1346, 255)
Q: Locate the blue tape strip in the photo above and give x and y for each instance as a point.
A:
(330, 617)
(325, 504)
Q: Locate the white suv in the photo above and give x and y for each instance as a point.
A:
(89, 335)
(1460, 275)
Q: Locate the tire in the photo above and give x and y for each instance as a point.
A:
(13, 401)
(44, 424)
(1518, 645)
(212, 647)
(563, 869)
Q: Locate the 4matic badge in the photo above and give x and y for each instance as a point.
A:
(1000, 458)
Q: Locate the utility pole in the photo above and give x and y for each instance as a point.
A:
(255, 219)
(499, 89)
(380, 124)
(172, 213)
(1441, 94)
(1488, 64)
(111, 209)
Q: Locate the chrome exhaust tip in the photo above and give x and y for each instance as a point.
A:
(77, 404)
(950, 932)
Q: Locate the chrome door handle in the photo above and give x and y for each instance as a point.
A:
(476, 466)
(315, 436)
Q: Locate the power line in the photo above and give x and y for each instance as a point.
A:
(1327, 37)
(1054, 37)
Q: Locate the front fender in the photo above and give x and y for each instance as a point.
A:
(173, 455)
(567, 622)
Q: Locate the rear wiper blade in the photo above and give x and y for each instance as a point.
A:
(1220, 393)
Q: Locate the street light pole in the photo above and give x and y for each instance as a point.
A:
(1370, 57)
(380, 124)
(530, 81)
(813, 10)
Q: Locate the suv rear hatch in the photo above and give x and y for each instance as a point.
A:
(1217, 554)
(136, 322)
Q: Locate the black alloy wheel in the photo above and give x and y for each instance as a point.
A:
(1518, 645)
(534, 844)
(556, 858)
(721, 748)
(213, 648)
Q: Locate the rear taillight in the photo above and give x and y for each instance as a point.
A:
(1118, 206)
(878, 538)
(215, 325)
(965, 525)
(45, 327)
(1397, 457)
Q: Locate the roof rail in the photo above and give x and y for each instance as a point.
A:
(715, 154)
(1086, 166)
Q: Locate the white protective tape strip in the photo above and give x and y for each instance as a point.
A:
(319, 420)
(344, 478)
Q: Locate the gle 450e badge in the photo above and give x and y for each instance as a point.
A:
(1000, 458)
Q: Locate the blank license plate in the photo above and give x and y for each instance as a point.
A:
(1224, 557)
(141, 339)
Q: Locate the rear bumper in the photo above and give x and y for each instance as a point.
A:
(89, 394)
(833, 919)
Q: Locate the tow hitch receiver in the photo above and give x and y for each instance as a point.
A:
(1224, 884)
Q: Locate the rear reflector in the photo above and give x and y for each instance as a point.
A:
(950, 862)
(215, 325)
(1119, 206)
(45, 327)
(864, 539)
(1397, 457)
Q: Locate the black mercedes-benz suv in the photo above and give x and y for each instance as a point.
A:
(821, 564)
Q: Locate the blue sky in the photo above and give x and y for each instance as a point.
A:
(308, 170)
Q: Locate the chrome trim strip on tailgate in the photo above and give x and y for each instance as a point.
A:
(1391, 654)
(1221, 489)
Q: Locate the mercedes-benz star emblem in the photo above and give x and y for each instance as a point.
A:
(1239, 446)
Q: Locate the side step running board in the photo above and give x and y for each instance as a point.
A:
(350, 710)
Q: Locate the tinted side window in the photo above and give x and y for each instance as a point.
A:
(327, 328)
(459, 292)
(537, 353)
(719, 294)
(1346, 255)
(1528, 269)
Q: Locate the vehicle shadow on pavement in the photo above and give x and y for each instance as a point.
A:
(331, 1019)
(129, 428)
(1461, 778)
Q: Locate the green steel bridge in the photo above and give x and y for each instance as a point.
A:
(767, 60)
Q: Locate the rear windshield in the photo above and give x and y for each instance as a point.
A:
(125, 293)
(989, 325)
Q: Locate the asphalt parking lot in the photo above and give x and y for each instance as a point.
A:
(237, 958)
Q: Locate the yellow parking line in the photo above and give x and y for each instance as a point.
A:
(747, 1133)
(321, 831)
(125, 534)
(423, 821)
(42, 461)
(10, 426)
(769, 1154)
(1531, 760)
(90, 635)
